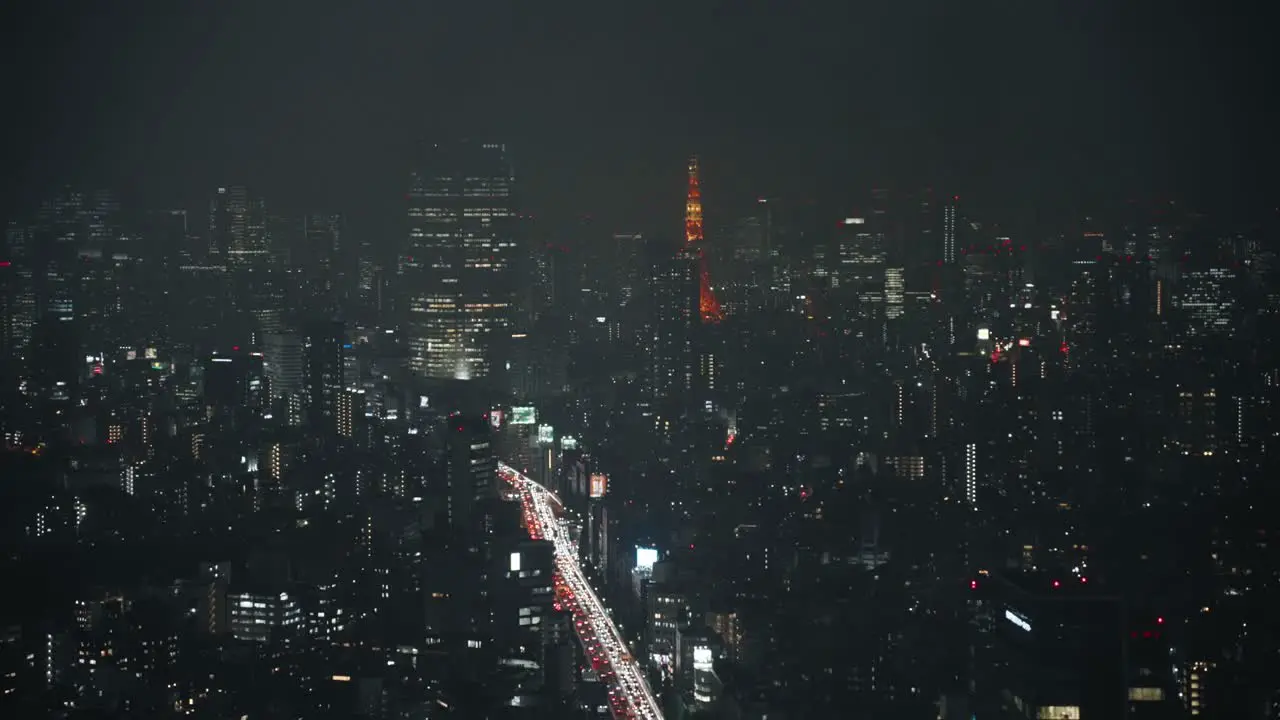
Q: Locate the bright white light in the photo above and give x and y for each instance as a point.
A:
(645, 558)
(515, 562)
(702, 658)
(1017, 619)
(984, 334)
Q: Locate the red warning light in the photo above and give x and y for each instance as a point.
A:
(973, 584)
(1084, 580)
(235, 348)
(1159, 621)
(1057, 584)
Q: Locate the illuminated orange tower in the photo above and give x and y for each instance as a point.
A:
(693, 240)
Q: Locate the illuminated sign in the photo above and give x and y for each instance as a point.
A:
(423, 403)
(495, 418)
(702, 659)
(524, 416)
(149, 353)
(515, 562)
(131, 355)
(1024, 342)
(1018, 620)
(855, 221)
(599, 483)
(646, 558)
(569, 442)
(546, 435)
(984, 334)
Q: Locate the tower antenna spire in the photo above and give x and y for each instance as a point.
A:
(708, 305)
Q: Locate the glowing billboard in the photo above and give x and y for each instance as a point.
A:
(546, 435)
(495, 418)
(599, 483)
(984, 334)
(569, 442)
(646, 558)
(524, 416)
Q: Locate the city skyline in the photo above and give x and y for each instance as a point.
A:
(728, 360)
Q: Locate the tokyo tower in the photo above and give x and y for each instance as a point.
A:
(693, 243)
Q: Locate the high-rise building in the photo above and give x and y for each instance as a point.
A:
(949, 232)
(626, 265)
(237, 227)
(456, 269)
(284, 360)
(470, 468)
(1047, 647)
(894, 287)
(861, 267)
(351, 408)
(321, 261)
(325, 349)
(675, 294)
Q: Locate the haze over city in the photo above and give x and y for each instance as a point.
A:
(743, 360)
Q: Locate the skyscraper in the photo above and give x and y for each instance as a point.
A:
(949, 232)
(676, 312)
(456, 271)
(324, 347)
(237, 227)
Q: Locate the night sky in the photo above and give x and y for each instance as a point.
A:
(319, 104)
